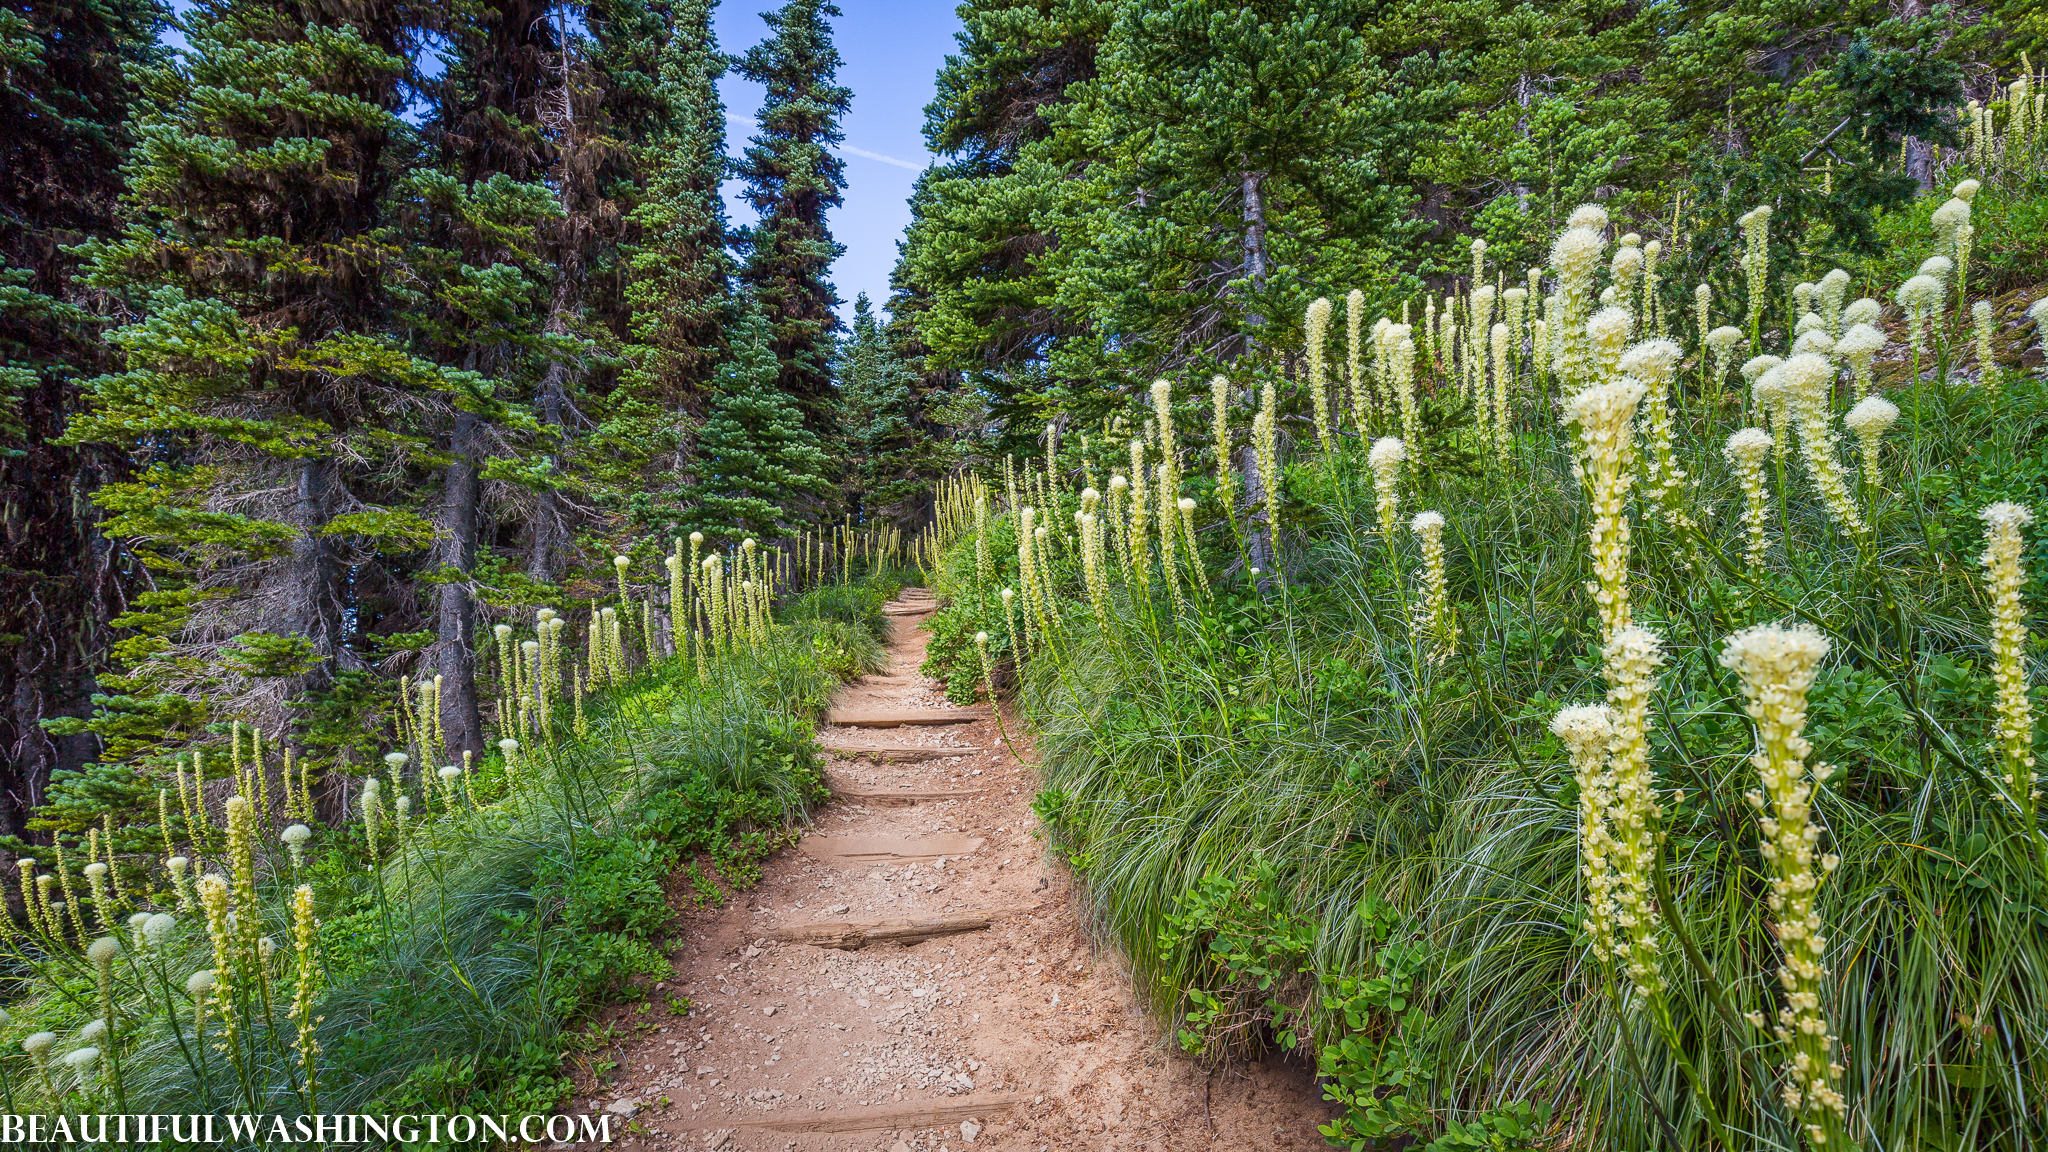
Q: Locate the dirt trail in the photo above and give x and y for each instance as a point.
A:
(1014, 1036)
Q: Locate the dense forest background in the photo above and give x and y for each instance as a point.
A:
(353, 329)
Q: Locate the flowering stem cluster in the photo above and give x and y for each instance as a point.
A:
(1776, 666)
(2013, 722)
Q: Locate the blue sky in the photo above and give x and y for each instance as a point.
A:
(892, 51)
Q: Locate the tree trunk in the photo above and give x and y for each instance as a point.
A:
(1255, 261)
(550, 524)
(313, 593)
(462, 727)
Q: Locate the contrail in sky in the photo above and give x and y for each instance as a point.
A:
(750, 124)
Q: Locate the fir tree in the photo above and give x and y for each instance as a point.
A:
(793, 179)
(475, 222)
(755, 457)
(262, 380)
(679, 265)
(63, 136)
(894, 462)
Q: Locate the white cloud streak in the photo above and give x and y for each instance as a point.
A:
(750, 124)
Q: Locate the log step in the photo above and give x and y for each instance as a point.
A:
(895, 753)
(853, 936)
(885, 849)
(878, 718)
(893, 798)
(887, 1117)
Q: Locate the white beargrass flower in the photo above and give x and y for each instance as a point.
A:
(1938, 267)
(1606, 338)
(1314, 348)
(1777, 666)
(93, 1032)
(1766, 387)
(1920, 296)
(1756, 258)
(1808, 381)
(1987, 361)
(1575, 255)
(1655, 363)
(1721, 344)
(1817, 342)
(103, 949)
(1859, 346)
(1586, 730)
(295, 838)
(2004, 577)
(1869, 420)
(1834, 288)
(157, 929)
(1950, 216)
(1435, 617)
(1863, 310)
(399, 759)
(1587, 216)
(1385, 459)
(38, 1044)
(1632, 657)
(81, 1060)
(1748, 449)
(502, 631)
(1604, 416)
(1967, 190)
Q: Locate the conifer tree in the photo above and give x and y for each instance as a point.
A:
(793, 179)
(755, 456)
(63, 135)
(679, 266)
(475, 222)
(262, 381)
(893, 461)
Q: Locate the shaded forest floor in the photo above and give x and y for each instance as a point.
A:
(1020, 1035)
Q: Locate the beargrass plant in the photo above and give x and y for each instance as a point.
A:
(1826, 924)
(436, 956)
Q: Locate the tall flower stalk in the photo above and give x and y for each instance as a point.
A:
(2013, 723)
(1808, 379)
(1385, 460)
(1603, 416)
(1747, 450)
(1435, 623)
(1586, 731)
(1776, 666)
(1315, 352)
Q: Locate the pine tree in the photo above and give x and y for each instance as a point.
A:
(263, 384)
(680, 268)
(63, 136)
(894, 461)
(475, 248)
(793, 179)
(677, 286)
(755, 456)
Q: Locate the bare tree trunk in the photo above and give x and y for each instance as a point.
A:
(550, 522)
(462, 726)
(1255, 259)
(314, 592)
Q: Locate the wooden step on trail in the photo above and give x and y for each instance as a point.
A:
(897, 797)
(895, 753)
(856, 935)
(887, 1117)
(898, 717)
(885, 849)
